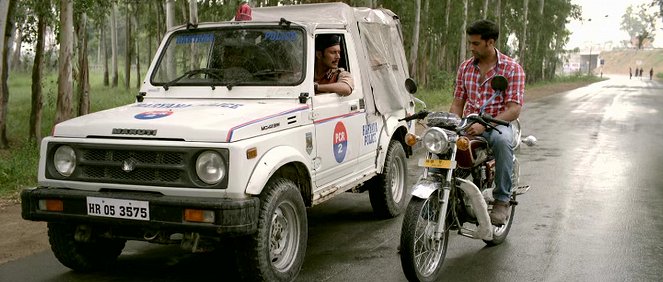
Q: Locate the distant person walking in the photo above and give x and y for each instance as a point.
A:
(630, 73)
(651, 73)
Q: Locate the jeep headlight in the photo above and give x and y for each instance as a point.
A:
(436, 140)
(210, 167)
(64, 160)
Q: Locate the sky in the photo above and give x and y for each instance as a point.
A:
(601, 28)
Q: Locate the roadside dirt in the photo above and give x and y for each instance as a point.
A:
(22, 238)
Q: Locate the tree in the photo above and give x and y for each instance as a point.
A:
(640, 24)
(64, 101)
(415, 39)
(44, 17)
(6, 26)
(523, 38)
(83, 89)
(463, 38)
(113, 30)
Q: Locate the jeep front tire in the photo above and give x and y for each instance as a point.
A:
(387, 191)
(276, 251)
(96, 254)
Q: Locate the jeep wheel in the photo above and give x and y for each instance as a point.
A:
(276, 251)
(97, 254)
(387, 190)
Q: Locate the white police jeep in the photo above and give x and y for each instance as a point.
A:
(227, 143)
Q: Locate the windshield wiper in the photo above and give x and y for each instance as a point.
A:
(212, 72)
(272, 72)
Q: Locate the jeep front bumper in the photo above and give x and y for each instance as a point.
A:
(232, 216)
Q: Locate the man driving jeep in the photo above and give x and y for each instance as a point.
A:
(329, 78)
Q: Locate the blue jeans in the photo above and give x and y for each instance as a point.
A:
(501, 145)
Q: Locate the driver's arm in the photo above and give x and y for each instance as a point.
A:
(340, 88)
(343, 86)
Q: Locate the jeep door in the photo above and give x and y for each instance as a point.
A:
(338, 123)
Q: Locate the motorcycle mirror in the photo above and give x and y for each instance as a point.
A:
(499, 83)
(410, 85)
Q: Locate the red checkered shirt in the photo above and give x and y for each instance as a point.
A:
(476, 93)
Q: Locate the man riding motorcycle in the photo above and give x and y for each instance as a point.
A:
(473, 89)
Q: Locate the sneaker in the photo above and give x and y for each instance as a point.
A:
(500, 212)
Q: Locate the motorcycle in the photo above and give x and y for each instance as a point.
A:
(455, 189)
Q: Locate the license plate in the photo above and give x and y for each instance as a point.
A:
(117, 208)
(434, 163)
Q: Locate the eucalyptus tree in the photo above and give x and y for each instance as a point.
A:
(64, 100)
(96, 9)
(6, 26)
(44, 18)
(127, 44)
(415, 39)
(34, 17)
(113, 30)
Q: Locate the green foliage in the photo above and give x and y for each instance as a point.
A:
(18, 166)
(435, 99)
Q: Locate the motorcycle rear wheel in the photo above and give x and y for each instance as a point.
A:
(421, 255)
(500, 232)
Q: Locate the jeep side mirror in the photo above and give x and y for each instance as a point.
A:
(499, 83)
(410, 85)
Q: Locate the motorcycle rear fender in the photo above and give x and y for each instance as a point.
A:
(425, 187)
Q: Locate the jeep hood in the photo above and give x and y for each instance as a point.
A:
(199, 121)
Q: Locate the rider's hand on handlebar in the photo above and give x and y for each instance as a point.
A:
(476, 129)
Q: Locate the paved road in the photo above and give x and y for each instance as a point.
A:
(594, 212)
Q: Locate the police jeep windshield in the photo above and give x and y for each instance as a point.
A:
(232, 56)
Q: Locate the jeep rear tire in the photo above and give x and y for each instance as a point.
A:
(97, 254)
(387, 190)
(276, 251)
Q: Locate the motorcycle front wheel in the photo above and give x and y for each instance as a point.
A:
(421, 254)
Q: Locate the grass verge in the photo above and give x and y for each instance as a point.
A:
(18, 164)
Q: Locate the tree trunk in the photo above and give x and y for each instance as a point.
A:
(37, 72)
(16, 56)
(127, 47)
(463, 38)
(158, 9)
(135, 24)
(113, 29)
(64, 103)
(104, 49)
(446, 32)
(540, 46)
(498, 11)
(6, 27)
(193, 12)
(484, 12)
(415, 39)
(83, 68)
(523, 40)
(170, 22)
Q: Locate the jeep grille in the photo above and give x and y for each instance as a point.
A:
(153, 166)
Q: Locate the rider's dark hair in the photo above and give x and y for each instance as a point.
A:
(486, 28)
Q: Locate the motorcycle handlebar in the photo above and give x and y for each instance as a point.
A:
(488, 118)
(420, 115)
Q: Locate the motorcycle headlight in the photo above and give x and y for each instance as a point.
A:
(64, 160)
(210, 167)
(436, 140)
